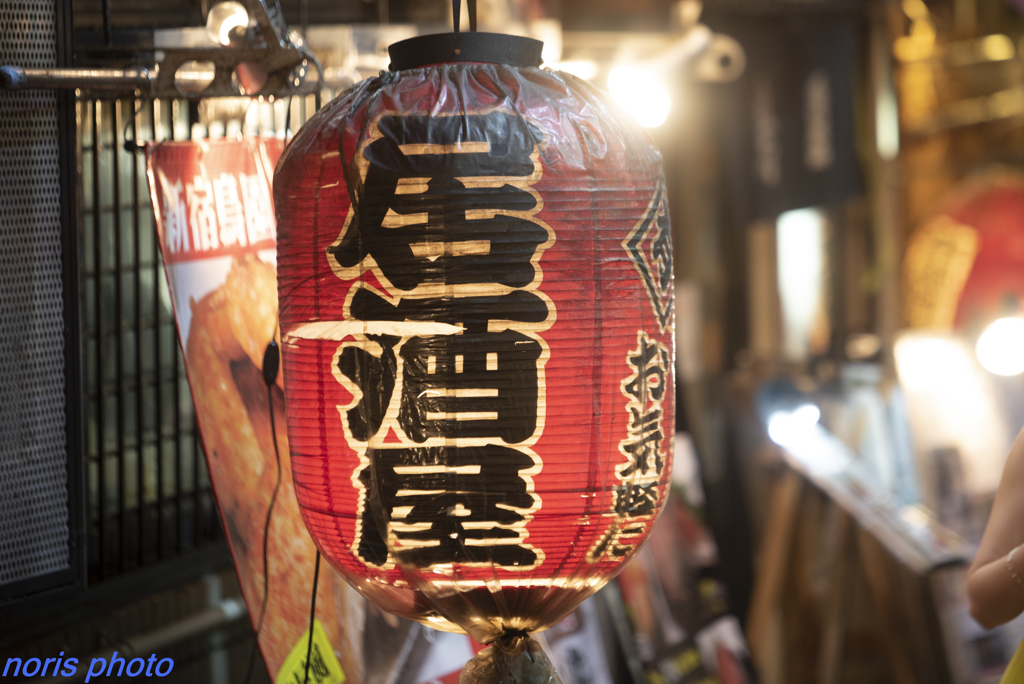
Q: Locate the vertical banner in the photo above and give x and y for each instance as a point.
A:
(789, 126)
(215, 219)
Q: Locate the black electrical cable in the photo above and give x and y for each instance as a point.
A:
(271, 362)
(105, 5)
(312, 616)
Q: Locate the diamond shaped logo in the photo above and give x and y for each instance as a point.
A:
(649, 246)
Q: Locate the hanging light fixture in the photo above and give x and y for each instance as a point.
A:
(265, 59)
(475, 282)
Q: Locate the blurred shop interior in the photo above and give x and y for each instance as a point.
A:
(846, 184)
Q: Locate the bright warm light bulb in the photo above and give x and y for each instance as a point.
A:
(223, 18)
(231, 23)
(1001, 347)
(641, 94)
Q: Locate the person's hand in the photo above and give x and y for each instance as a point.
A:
(995, 581)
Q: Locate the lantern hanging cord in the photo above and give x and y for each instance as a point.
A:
(271, 362)
(312, 616)
(457, 14)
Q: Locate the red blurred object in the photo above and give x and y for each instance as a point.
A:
(475, 282)
(994, 207)
(965, 264)
(730, 671)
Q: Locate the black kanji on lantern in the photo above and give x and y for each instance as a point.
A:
(492, 374)
(453, 504)
(444, 218)
(645, 389)
(433, 207)
(638, 496)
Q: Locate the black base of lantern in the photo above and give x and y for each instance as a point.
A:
(440, 48)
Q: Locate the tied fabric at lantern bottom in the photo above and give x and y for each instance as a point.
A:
(475, 282)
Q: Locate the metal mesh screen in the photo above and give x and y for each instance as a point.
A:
(33, 447)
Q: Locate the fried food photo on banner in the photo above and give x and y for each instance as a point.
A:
(230, 330)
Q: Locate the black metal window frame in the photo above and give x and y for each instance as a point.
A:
(138, 522)
(109, 246)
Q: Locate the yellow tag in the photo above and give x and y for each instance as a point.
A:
(324, 667)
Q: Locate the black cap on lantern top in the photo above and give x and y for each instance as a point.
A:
(440, 48)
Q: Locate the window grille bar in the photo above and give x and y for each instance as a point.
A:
(158, 364)
(140, 468)
(99, 426)
(179, 527)
(118, 330)
(191, 116)
(197, 449)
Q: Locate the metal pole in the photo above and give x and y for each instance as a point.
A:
(16, 78)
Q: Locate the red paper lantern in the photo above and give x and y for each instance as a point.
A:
(475, 281)
(994, 207)
(965, 264)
